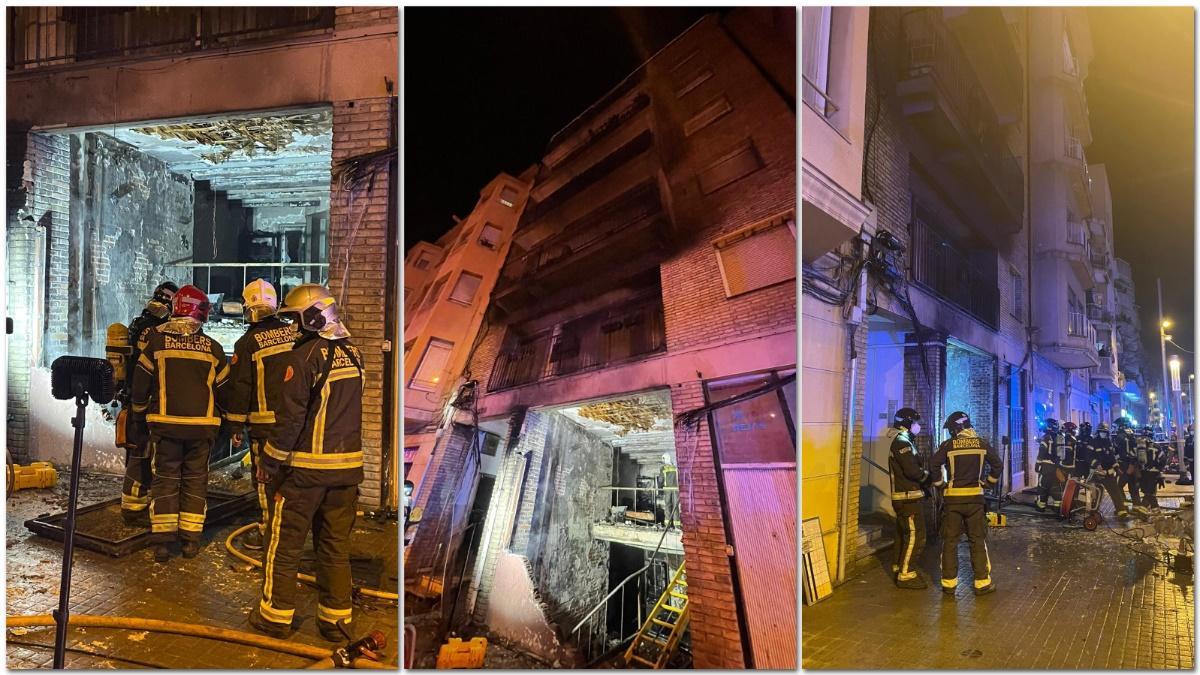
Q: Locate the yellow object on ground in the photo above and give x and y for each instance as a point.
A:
(996, 519)
(36, 475)
(458, 654)
(656, 642)
(371, 592)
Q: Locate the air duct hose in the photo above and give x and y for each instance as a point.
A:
(370, 592)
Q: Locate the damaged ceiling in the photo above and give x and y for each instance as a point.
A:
(264, 160)
(640, 425)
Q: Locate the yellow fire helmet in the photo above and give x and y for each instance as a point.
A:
(313, 309)
(259, 300)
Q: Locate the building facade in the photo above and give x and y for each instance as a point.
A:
(644, 326)
(203, 145)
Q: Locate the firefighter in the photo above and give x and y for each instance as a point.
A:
(313, 464)
(1083, 450)
(1047, 464)
(258, 359)
(909, 478)
(175, 386)
(1127, 460)
(1105, 469)
(1067, 448)
(1189, 452)
(962, 462)
(668, 481)
(1152, 460)
(135, 489)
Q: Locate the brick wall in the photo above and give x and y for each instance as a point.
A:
(450, 456)
(351, 18)
(855, 561)
(357, 253)
(716, 635)
(499, 517)
(22, 260)
(51, 159)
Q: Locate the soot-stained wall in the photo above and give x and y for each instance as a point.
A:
(570, 567)
(131, 225)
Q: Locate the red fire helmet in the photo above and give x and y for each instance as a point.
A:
(190, 302)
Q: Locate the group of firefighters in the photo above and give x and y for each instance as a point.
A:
(1119, 460)
(965, 464)
(293, 385)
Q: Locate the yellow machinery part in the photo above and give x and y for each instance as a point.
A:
(457, 654)
(996, 519)
(35, 475)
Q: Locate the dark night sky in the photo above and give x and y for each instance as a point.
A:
(1140, 91)
(485, 89)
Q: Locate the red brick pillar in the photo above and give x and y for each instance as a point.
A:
(358, 254)
(716, 636)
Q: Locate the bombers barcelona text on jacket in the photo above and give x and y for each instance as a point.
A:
(259, 357)
(175, 383)
(965, 458)
(318, 426)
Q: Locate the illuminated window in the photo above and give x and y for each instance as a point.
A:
(433, 365)
(508, 196)
(489, 237)
(464, 291)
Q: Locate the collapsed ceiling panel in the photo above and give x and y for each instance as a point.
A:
(640, 425)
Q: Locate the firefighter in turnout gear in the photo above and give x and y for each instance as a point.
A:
(135, 489)
(1048, 464)
(909, 478)
(1153, 459)
(1083, 450)
(1106, 469)
(668, 478)
(259, 359)
(1067, 449)
(965, 458)
(313, 462)
(179, 374)
(1127, 461)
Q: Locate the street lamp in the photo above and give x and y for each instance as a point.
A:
(1163, 325)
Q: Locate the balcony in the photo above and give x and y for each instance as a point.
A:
(52, 36)
(1107, 376)
(1080, 178)
(616, 240)
(944, 99)
(938, 265)
(1079, 249)
(615, 334)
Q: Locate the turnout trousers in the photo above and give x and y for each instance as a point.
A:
(179, 490)
(1149, 481)
(910, 537)
(329, 512)
(1047, 480)
(1132, 481)
(260, 489)
(969, 519)
(139, 473)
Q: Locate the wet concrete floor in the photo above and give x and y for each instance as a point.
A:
(213, 589)
(1066, 599)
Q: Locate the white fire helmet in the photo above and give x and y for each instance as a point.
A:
(259, 300)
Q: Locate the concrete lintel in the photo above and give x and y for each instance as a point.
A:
(641, 537)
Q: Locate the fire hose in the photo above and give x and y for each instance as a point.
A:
(321, 656)
(370, 592)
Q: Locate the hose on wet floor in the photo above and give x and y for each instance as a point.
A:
(320, 655)
(74, 650)
(369, 592)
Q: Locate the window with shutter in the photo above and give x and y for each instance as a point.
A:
(508, 196)
(489, 237)
(433, 364)
(761, 255)
(464, 291)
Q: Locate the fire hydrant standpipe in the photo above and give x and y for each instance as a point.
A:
(371, 592)
(320, 655)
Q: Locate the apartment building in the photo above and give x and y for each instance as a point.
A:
(206, 145)
(644, 319)
(447, 285)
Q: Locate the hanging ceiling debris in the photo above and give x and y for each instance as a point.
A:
(631, 414)
(248, 137)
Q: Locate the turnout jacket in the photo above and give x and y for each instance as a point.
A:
(137, 330)
(176, 382)
(908, 475)
(259, 359)
(318, 431)
(965, 458)
(1048, 457)
(1066, 451)
(1104, 458)
(1084, 447)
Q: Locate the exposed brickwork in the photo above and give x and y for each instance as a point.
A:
(351, 18)
(500, 515)
(716, 639)
(22, 255)
(51, 159)
(450, 454)
(357, 235)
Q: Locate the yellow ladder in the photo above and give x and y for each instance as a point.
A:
(658, 638)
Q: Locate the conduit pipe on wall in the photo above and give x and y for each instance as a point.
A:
(855, 321)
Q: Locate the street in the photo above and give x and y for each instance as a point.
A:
(1066, 598)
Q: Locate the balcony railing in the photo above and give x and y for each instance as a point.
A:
(939, 266)
(931, 50)
(49, 36)
(602, 338)
(1079, 326)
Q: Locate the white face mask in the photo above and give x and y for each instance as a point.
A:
(916, 428)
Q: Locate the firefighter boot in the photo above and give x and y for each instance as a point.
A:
(190, 549)
(275, 630)
(990, 588)
(914, 582)
(161, 553)
(334, 632)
